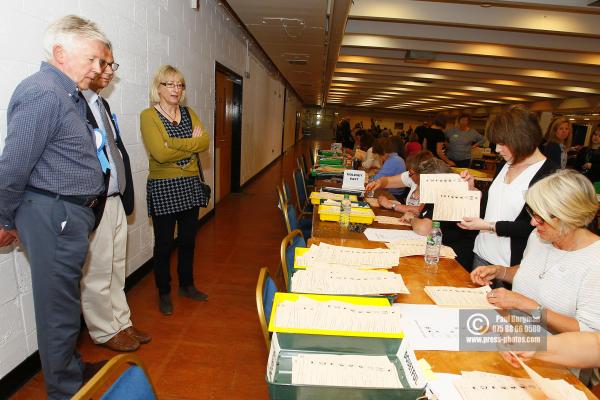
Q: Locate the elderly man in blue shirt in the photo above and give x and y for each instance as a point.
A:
(51, 181)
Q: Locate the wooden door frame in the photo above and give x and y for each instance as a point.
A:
(236, 129)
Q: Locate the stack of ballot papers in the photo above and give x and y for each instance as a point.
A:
(554, 389)
(390, 235)
(476, 385)
(459, 297)
(416, 247)
(342, 281)
(344, 370)
(329, 256)
(482, 385)
(310, 314)
(382, 219)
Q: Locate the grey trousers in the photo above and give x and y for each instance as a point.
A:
(54, 235)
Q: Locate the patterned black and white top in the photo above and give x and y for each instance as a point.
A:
(173, 195)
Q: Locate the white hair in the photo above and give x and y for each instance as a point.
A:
(68, 28)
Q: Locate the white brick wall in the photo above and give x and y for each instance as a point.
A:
(145, 34)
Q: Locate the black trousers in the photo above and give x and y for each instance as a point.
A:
(164, 232)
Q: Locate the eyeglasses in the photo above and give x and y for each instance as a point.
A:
(539, 220)
(103, 63)
(113, 65)
(172, 85)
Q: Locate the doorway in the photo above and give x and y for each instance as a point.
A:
(228, 124)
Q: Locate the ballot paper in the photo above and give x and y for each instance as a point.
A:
(382, 219)
(407, 248)
(433, 184)
(442, 387)
(329, 256)
(350, 282)
(554, 389)
(390, 235)
(306, 313)
(455, 206)
(459, 297)
(344, 370)
(430, 327)
(477, 385)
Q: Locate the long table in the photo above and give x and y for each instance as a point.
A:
(450, 273)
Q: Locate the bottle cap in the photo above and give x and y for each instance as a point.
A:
(436, 224)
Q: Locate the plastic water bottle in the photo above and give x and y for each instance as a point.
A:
(432, 250)
(345, 212)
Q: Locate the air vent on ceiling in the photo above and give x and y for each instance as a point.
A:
(425, 81)
(419, 57)
(296, 58)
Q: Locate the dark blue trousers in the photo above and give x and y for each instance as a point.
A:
(54, 234)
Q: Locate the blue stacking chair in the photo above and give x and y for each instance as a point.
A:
(290, 216)
(303, 201)
(133, 383)
(288, 248)
(265, 294)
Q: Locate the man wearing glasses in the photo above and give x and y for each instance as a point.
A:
(51, 180)
(103, 300)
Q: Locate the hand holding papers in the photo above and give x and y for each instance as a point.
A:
(451, 195)
(459, 297)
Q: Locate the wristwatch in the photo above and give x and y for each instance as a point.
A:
(537, 314)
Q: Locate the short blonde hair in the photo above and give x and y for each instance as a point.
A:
(553, 128)
(68, 28)
(566, 195)
(162, 75)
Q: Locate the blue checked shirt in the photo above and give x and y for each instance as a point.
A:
(49, 144)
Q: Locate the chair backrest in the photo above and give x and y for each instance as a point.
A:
(265, 293)
(292, 217)
(133, 384)
(300, 187)
(287, 252)
(287, 192)
(283, 207)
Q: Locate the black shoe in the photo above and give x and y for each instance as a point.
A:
(165, 305)
(193, 293)
(90, 369)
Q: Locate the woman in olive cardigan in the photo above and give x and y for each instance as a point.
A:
(173, 136)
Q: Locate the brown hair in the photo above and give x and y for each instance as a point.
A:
(432, 166)
(553, 128)
(518, 129)
(383, 146)
(413, 161)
